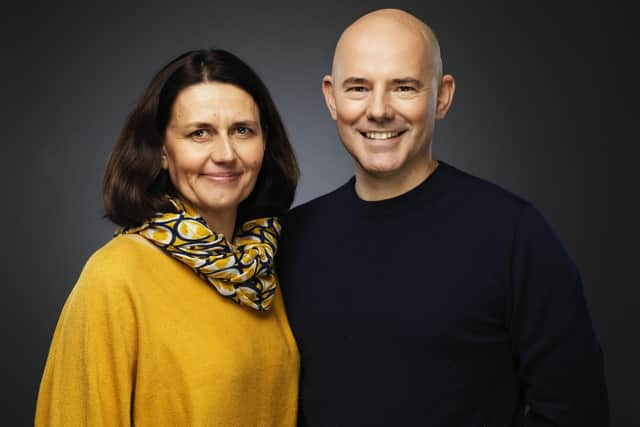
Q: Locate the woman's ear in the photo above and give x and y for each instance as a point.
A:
(164, 159)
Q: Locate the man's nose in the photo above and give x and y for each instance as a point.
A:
(222, 150)
(379, 108)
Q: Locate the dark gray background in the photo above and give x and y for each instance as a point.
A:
(542, 108)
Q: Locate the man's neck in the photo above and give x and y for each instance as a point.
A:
(372, 187)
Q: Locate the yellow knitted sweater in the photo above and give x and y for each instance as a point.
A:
(143, 341)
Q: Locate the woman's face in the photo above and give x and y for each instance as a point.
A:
(213, 147)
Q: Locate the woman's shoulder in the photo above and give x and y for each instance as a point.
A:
(122, 252)
(117, 264)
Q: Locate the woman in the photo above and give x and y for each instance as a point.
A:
(170, 323)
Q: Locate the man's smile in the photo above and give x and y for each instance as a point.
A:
(381, 135)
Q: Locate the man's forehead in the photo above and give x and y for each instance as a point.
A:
(367, 58)
(387, 38)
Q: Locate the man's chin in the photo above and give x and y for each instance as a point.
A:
(379, 168)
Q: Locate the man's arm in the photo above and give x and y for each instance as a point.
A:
(559, 358)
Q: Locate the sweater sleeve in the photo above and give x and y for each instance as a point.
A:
(558, 356)
(89, 375)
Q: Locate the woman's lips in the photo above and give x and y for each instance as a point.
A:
(222, 177)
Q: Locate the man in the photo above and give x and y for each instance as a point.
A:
(418, 294)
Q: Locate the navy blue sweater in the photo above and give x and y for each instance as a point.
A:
(451, 305)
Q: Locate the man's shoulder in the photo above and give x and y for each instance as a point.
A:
(319, 206)
(482, 192)
(492, 204)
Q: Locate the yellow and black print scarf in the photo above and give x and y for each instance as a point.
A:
(242, 271)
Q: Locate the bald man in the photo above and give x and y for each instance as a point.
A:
(420, 295)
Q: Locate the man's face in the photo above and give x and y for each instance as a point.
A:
(383, 97)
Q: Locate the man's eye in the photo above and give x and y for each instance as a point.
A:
(357, 89)
(406, 88)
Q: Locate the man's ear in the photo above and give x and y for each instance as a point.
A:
(445, 95)
(329, 97)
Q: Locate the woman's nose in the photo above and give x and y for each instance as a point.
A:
(222, 150)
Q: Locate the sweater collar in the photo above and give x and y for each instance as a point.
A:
(425, 192)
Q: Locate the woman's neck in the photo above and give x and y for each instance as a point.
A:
(222, 222)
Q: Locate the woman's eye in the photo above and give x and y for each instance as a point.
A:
(200, 133)
(243, 130)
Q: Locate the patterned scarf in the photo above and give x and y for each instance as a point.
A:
(242, 271)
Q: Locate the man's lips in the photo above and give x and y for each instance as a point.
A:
(380, 135)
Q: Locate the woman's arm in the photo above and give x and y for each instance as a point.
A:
(90, 372)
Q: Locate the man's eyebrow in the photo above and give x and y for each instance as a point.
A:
(401, 81)
(354, 81)
(407, 81)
